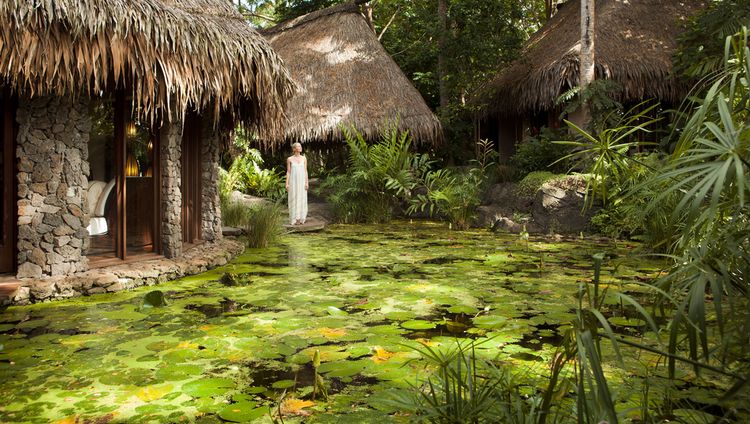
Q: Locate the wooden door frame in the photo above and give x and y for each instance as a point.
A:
(121, 116)
(9, 241)
(191, 178)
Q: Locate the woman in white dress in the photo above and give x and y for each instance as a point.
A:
(296, 185)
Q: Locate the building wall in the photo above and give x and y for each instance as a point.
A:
(53, 172)
(52, 152)
(171, 180)
(210, 203)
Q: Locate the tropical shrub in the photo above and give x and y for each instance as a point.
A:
(246, 175)
(709, 176)
(540, 153)
(699, 194)
(606, 156)
(378, 177)
(456, 193)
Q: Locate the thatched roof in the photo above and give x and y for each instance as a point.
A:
(166, 52)
(635, 41)
(346, 77)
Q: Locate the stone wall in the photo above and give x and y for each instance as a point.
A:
(128, 276)
(53, 174)
(210, 203)
(171, 197)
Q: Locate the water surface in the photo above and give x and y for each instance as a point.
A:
(361, 295)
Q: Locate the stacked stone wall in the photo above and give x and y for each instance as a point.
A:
(171, 195)
(53, 172)
(210, 203)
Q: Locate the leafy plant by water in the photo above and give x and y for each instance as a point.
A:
(263, 224)
(462, 387)
(378, 176)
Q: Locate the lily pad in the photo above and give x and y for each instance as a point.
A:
(178, 372)
(283, 384)
(490, 321)
(241, 412)
(418, 324)
(332, 310)
(208, 387)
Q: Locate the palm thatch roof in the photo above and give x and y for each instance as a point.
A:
(167, 53)
(635, 41)
(346, 78)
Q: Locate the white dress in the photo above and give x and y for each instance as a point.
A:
(297, 193)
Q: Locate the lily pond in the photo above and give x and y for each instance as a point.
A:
(231, 341)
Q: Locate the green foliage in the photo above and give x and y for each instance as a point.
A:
(599, 95)
(233, 213)
(605, 155)
(247, 176)
(708, 175)
(632, 213)
(540, 153)
(709, 168)
(463, 387)
(378, 176)
(263, 224)
(456, 194)
(532, 182)
(698, 195)
(701, 46)
(291, 9)
(246, 173)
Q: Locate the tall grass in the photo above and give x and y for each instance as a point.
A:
(264, 224)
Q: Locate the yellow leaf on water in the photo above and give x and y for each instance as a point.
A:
(381, 355)
(68, 420)
(108, 329)
(151, 393)
(187, 345)
(332, 333)
(291, 406)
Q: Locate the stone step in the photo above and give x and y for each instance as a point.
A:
(8, 291)
(312, 224)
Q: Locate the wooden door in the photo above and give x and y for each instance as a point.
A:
(8, 183)
(191, 179)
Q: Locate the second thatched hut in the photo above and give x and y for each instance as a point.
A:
(634, 44)
(346, 78)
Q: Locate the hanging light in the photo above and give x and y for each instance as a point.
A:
(131, 166)
(130, 129)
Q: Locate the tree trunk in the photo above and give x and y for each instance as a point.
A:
(442, 38)
(587, 71)
(367, 12)
(549, 8)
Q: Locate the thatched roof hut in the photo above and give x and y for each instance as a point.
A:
(346, 78)
(635, 41)
(169, 54)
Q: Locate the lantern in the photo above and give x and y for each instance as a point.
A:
(130, 129)
(131, 166)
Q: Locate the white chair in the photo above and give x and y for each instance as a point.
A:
(98, 193)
